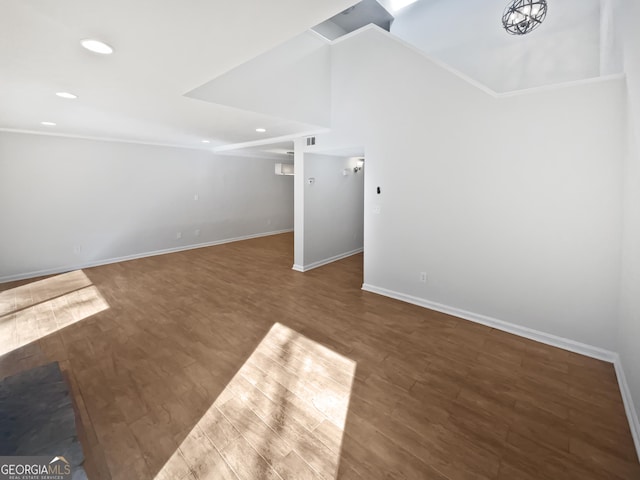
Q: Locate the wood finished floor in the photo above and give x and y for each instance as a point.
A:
(157, 377)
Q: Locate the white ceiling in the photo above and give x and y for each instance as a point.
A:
(280, 151)
(163, 49)
(166, 49)
(468, 36)
(296, 76)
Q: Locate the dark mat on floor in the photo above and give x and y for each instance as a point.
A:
(37, 417)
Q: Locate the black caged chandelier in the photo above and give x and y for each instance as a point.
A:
(522, 16)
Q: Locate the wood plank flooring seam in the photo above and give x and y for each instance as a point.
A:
(41, 302)
(256, 452)
(439, 390)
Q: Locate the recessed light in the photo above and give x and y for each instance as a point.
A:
(206, 141)
(261, 130)
(48, 124)
(96, 46)
(66, 95)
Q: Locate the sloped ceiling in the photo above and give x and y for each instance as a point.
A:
(468, 36)
(290, 81)
(163, 49)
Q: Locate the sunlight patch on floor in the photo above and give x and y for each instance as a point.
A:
(282, 416)
(33, 311)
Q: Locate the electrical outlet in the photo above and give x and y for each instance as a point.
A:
(196, 232)
(179, 235)
(196, 197)
(77, 248)
(423, 277)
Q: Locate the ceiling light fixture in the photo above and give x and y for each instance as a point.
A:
(96, 46)
(66, 95)
(522, 16)
(206, 141)
(48, 124)
(261, 130)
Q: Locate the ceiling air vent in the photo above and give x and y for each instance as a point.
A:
(355, 17)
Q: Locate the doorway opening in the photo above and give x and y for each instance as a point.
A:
(275, 168)
(329, 206)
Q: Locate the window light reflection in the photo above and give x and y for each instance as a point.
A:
(33, 311)
(281, 416)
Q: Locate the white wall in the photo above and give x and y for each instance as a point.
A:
(629, 328)
(511, 205)
(468, 35)
(333, 208)
(118, 199)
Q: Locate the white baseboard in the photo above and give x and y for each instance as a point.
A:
(97, 263)
(320, 263)
(629, 407)
(547, 338)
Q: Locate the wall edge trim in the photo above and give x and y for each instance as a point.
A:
(538, 336)
(473, 82)
(627, 400)
(320, 263)
(543, 337)
(136, 256)
(97, 138)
